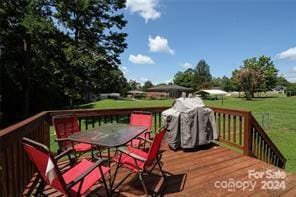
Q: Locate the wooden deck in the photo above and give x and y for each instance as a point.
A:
(195, 173)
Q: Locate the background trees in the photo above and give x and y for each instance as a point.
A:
(202, 76)
(197, 78)
(224, 83)
(146, 85)
(256, 75)
(54, 53)
(185, 78)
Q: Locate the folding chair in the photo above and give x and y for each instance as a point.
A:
(75, 181)
(139, 161)
(64, 126)
(141, 118)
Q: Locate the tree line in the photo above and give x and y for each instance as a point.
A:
(54, 53)
(254, 75)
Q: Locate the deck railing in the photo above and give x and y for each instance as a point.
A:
(241, 130)
(237, 128)
(262, 147)
(16, 168)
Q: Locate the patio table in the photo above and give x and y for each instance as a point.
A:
(109, 135)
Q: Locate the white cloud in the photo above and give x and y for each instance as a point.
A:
(140, 59)
(143, 80)
(288, 54)
(186, 65)
(169, 81)
(291, 76)
(159, 44)
(145, 8)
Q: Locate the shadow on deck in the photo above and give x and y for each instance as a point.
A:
(206, 172)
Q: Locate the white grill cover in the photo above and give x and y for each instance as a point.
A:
(190, 123)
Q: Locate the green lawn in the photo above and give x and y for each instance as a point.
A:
(109, 103)
(281, 126)
(277, 114)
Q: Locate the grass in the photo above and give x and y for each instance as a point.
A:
(276, 114)
(108, 103)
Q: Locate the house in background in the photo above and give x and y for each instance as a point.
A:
(136, 94)
(110, 95)
(157, 95)
(173, 91)
(279, 89)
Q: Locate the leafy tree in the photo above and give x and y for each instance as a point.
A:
(224, 83)
(269, 73)
(147, 84)
(55, 50)
(133, 85)
(92, 49)
(202, 74)
(247, 79)
(27, 58)
(256, 75)
(282, 81)
(185, 78)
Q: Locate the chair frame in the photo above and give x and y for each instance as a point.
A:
(148, 132)
(61, 140)
(141, 172)
(54, 159)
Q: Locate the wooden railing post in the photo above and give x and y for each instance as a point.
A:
(247, 134)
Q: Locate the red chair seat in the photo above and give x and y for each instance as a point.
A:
(139, 161)
(82, 147)
(88, 181)
(129, 162)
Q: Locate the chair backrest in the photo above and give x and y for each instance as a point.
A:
(42, 158)
(141, 118)
(155, 146)
(64, 126)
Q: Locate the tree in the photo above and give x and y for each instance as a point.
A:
(185, 78)
(269, 73)
(147, 84)
(282, 81)
(55, 50)
(133, 85)
(28, 57)
(256, 75)
(247, 79)
(92, 48)
(202, 76)
(224, 83)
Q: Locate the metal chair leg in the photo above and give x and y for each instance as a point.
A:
(40, 188)
(143, 184)
(161, 171)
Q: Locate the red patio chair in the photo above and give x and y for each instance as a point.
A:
(141, 118)
(139, 161)
(75, 181)
(64, 126)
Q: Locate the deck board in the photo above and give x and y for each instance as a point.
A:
(194, 173)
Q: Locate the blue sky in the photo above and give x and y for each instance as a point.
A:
(167, 36)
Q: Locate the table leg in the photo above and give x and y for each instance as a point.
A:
(109, 164)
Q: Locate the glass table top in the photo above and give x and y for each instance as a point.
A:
(110, 135)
